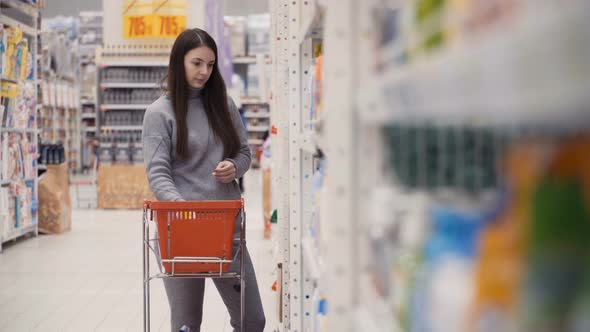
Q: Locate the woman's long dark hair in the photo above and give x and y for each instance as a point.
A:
(213, 94)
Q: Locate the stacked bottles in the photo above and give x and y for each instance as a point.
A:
(518, 263)
(134, 75)
(130, 96)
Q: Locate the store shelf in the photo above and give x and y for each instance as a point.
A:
(120, 107)
(4, 183)
(113, 128)
(254, 141)
(86, 116)
(248, 60)
(313, 22)
(134, 64)
(306, 143)
(252, 101)
(23, 7)
(4, 79)
(87, 102)
(525, 72)
(130, 85)
(120, 145)
(311, 259)
(90, 26)
(244, 60)
(14, 23)
(258, 128)
(257, 115)
(20, 232)
(19, 130)
(90, 129)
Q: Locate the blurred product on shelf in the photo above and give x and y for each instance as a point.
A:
(122, 118)
(515, 263)
(15, 50)
(60, 47)
(266, 166)
(237, 34)
(258, 34)
(90, 32)
(59, 118)
(130, 96)
(434, 157)
(88, 84)
(90, 38)
(52, 154)
(256, 117)
(17, 176)
(409, 31)
(135, 75)
(19, 104)
(316, 88)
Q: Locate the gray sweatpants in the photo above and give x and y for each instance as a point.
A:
(186, 300)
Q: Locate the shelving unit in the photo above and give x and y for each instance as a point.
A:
(251, 62)
(18, 126)
(60, 115)
(467, 93)
(504, 89)
(488, 81)
(90, 36)
(248, 60)
(125, 93)
(301, 252)
(257, 115)
(112, 107)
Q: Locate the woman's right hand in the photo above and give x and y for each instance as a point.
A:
(225, 172)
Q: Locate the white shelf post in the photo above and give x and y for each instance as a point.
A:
(295, 163)
(339, 227)
(280, 145)
(306, 175)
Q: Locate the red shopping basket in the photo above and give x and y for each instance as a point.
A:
(195, 237)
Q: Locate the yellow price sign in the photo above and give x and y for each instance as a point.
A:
(169, 26)
(153, 18)
(137, 26)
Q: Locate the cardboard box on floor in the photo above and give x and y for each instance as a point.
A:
(122, 187)
(55, 208)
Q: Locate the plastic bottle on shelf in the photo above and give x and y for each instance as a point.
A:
(429, 28)
(500, 268)
(558, 249)
(446, 286)
(410, 221)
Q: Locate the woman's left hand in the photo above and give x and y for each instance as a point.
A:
(225, 171)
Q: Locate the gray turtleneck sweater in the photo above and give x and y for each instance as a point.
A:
(173, 179)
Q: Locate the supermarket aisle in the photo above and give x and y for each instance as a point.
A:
(89, 279)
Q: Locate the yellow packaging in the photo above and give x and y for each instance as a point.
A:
(499, 270)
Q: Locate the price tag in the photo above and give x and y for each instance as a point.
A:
(169, 26)
(138, 26)
(153, 18)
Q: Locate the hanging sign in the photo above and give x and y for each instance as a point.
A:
(153, 18)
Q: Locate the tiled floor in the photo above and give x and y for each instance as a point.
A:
(89, 279)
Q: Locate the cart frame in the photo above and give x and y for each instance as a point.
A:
(147, 246)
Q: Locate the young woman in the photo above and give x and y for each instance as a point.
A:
(195, 147)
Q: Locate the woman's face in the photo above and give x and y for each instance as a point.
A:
(198, 66)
